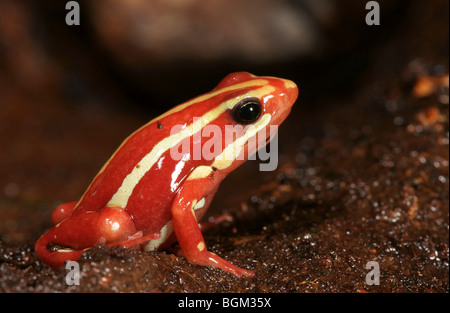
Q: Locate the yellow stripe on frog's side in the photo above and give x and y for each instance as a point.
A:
(207, 96)
(231, 152)
(120, 198)
(199, 172)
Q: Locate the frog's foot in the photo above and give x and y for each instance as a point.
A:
(136, 240)
(206, 258)
(53, 252)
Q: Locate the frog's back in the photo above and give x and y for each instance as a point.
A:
(142, 173)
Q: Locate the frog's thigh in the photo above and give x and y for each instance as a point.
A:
(63, 211)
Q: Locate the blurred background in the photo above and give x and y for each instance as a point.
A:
(363, 157)
(70, 94)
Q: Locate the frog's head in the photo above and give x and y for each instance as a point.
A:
(256, 96)
(253, 104)
(231, 122)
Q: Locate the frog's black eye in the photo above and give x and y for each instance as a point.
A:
(247, 111)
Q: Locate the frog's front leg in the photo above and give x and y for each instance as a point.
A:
(191, 196)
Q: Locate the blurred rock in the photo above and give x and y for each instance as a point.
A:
(142, 31)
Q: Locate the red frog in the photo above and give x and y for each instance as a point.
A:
(143, 196)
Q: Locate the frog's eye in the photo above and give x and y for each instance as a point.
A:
(247, 111)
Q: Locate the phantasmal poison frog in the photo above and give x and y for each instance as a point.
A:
(144, 197)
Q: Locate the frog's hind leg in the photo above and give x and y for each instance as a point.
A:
(63, 211)
(68, 239)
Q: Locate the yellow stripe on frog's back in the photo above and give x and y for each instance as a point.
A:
(210, 115)
(120, 198)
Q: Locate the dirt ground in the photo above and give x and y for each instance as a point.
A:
(363, 168)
